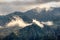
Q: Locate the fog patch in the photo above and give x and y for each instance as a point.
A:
(49, 23)
(18, 21)
(38, 23)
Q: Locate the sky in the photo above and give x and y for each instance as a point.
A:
(8, 6)
(28, 0)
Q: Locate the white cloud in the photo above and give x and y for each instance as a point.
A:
(47, 6)
(19, 22)
(49, 23)
(38, 23)
(50, 4)
(41, 24)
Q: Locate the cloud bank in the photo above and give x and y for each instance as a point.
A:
(38, 23)
(34, 1)
(49, 23)
(17, 22)
(8, 6)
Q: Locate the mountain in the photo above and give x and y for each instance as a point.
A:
(32, 32)
(7, 18)
(14, 31)
(10, 19)
(43, 15)
(36, 13)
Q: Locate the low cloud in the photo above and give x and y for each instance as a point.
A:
(18, 22)
(41, 24)
(49, 23)
(38, 23)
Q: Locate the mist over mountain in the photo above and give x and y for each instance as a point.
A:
(31, 29)
(32, 32)
(7, 18)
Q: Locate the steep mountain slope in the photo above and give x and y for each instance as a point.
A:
(32, 32)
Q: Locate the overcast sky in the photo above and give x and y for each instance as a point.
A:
(28, 0)
(8, 6)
